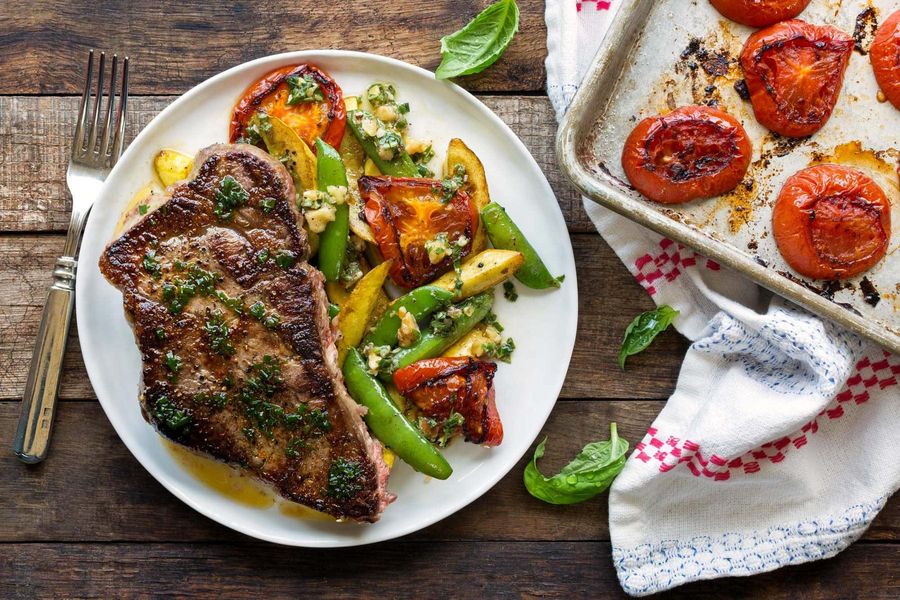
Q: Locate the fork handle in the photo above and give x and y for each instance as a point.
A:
(39, 402)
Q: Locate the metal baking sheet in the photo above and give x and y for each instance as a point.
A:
(660, 54)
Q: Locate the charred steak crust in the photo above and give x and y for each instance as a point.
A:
(238, 355)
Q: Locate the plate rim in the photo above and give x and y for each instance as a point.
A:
(209, 510)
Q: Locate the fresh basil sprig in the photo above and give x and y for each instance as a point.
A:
(590, 473)
(644, 329)
(480, 43)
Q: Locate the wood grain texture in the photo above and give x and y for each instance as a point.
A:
(569, 570)
(35, 134)
(27, 262)
(38, 503)
(44, 50)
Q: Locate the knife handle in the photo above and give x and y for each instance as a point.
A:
(39, 402)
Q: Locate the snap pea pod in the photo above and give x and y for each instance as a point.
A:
(333, 241)
(505, 234)
(421, 303)
(401, 165)
(388, 423)
(431, 344)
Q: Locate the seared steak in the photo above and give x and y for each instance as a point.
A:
(238, 353)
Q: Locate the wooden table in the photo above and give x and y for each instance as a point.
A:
(91, 522)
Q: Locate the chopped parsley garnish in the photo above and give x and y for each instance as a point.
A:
(269, 319)
(303, 89)
(380, 94)
(151, 264)
(262, 256)
(344, 479)
(267, 204)
(294, 446)
(442, 323)
(450, 185)
(502, 351)
(389, 144)
(160, 333)
(218, 332)
(233, 304)
(509, 291)
(177, 293)
(285, 259)
(143, 208)
(230, 196)
(173, 363)
(216, 400)
(171, 419)
(449, 427)
(258, 125)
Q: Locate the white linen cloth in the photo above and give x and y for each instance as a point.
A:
(778, 445)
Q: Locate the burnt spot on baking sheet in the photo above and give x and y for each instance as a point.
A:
(870, 292)
(605, 172)
(864, 30)
(740, 87)
(713, 62)
(704, 63)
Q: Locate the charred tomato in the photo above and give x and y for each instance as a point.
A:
(794, 72)
(691, 152)
(831, 222)
(303, 96)
(419, 224)
(885, 57)
(759, 13)
(444, 387)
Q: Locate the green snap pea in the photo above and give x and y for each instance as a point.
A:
(506, 235)
(388, 423)
(420, 302)
(430, 344)
(401, 165)
(333, 241)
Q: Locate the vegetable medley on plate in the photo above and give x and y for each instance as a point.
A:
(410, 251)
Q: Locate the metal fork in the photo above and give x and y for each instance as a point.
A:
(95, 149)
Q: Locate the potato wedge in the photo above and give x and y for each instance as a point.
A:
(371, 169)
(476, 185)
(172, 166)
(283, 143)
(472, 344)
(482, 271)
(357, 311)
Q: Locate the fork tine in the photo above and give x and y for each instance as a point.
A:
(120, 118)
(110, 102)
(95, 126)
(78, 144)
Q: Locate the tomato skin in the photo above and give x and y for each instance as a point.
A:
(407, 212)
(794, 72)
(831, 222)
(271, 83)
(885, 57)
(759, 13)
(712, 154)
(440, 386)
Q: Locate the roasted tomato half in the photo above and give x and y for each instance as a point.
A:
(759, 13)
(691, 152)
(794, 73)
(418, 225)
(303, 96)
(831, 222)
(444, 387)
(885, 57)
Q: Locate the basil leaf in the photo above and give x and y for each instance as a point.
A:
(480, 43)
(644, 330)
(590, 473)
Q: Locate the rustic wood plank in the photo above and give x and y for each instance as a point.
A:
(27, 263)
(36, 502)
(457, 570)
(44, 50)
(35, 134)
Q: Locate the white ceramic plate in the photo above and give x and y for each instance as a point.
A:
(542, 323)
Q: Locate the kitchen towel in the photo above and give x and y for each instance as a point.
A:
(778, 446)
